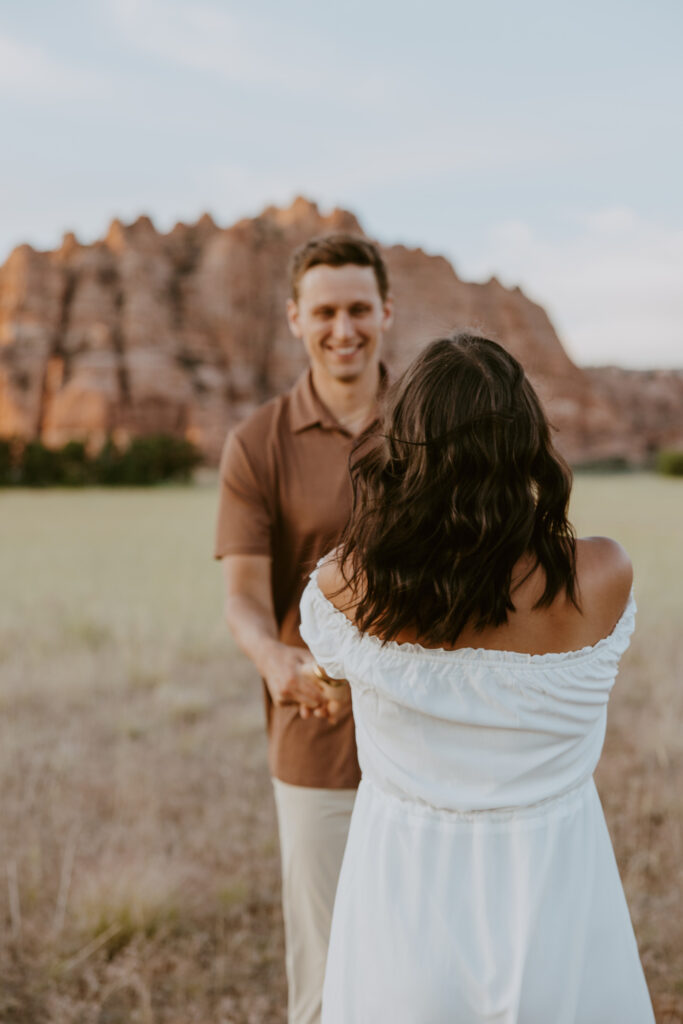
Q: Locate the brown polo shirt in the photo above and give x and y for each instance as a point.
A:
(285, 492)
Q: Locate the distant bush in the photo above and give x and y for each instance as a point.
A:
(6, 465)
(145, 461)
(39, 466)
(74, 464)
(106, 466)
(670, 462)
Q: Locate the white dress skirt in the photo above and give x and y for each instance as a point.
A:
(479, 885)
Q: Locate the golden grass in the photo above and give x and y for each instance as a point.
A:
(137, 836)
(641, 771)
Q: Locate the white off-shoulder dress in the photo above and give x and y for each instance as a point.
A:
(479, 885)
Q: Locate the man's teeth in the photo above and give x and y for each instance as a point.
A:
(348, 351)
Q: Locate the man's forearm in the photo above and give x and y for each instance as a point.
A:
(254, 629)
(286, 670)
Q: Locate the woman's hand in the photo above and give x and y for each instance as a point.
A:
(335, 694)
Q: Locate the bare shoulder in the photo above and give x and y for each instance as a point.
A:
(329, 574)
(606, 557)
(604, 575)
(334, 585)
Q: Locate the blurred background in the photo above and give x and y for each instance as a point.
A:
(534, 142)
(520, 166)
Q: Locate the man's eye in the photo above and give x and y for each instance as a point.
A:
(359, 310)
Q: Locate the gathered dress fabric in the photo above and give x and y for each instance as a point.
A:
(479, 884)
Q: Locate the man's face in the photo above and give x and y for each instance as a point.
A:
(340, 317)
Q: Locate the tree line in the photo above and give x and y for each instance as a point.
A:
(144, 461)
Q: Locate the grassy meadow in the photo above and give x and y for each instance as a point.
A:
(138, 852)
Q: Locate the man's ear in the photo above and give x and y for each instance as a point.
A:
(293, 318)
(387, 313)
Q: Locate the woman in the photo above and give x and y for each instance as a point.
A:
(481, 642)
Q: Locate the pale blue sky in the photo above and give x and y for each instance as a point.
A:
(538, 142)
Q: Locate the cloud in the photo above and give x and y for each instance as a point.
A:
(613, 288)
(380, 117)
(242, 48)
(29, 72)
(348, 171)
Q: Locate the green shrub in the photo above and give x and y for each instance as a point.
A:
(106, 466)
(39, 466)
(6, 462)
(74, 464)
(146, 460)
(670, 462)
(149, 460)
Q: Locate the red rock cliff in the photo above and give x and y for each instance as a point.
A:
(185, 332)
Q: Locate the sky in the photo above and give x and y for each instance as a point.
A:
(537, 142)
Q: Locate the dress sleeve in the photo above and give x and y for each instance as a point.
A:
(322, 631)
(244, 524)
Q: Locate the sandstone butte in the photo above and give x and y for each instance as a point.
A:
(184, 333)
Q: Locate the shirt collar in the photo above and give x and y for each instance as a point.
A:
(307, 409)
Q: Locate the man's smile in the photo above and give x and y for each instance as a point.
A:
(344, 351)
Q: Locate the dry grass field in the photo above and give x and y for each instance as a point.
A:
(138, 853)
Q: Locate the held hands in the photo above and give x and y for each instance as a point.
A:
(336, 693)
(291, 678)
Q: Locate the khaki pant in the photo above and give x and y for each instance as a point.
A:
(313, 826)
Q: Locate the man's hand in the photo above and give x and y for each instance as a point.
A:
(288, 671)
(292, 680)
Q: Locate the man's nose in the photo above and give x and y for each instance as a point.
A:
(343, 327)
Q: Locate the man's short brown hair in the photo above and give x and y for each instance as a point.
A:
(337, 250)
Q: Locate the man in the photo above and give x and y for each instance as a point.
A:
(285, 497)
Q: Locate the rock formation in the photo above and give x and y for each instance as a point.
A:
(184, 333)
(647, 403)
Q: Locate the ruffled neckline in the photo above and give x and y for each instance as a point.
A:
(623, 628)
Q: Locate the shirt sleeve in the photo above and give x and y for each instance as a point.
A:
(244, 524)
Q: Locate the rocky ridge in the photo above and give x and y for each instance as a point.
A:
(185, 332)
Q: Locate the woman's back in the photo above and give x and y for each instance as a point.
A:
(514, 717)
(603, 574)
(479, 883)
(481, 642)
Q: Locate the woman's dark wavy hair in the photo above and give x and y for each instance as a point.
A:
(460, 482)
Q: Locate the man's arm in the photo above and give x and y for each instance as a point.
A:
(249, 612)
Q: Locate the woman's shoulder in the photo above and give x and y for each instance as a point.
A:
(604, 575)
(334, 584)
(605, 558)
(328, 573)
